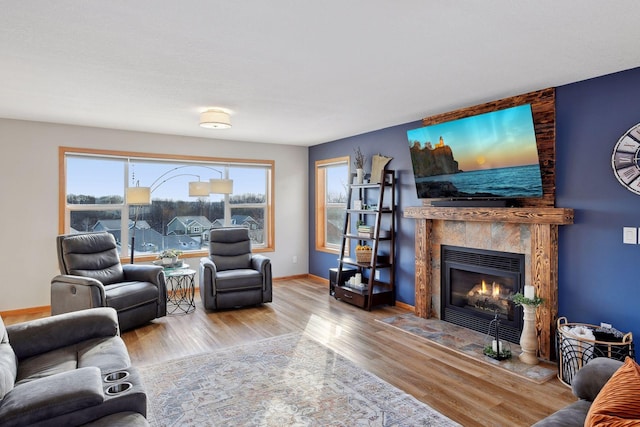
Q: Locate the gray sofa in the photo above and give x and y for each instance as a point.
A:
(71, 369)
(232, 276)
(586, 385)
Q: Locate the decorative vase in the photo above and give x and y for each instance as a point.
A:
(528, 341)
(359, 176)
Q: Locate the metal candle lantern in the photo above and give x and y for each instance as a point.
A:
(493, 346)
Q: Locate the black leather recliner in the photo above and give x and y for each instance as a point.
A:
(92, 276)
(232, 276)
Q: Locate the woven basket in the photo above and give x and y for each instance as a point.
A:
(574, 352)
(363, 256)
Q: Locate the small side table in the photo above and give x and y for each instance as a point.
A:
(180, 289)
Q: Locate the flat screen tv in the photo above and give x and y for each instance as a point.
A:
(490, 156)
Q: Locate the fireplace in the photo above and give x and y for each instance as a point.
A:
(477, 284)
(532, 231)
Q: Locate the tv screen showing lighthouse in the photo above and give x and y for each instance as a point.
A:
(491, 155)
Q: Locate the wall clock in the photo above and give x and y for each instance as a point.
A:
(626, 158)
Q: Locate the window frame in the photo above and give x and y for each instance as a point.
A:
(322, 205)
(64, 212)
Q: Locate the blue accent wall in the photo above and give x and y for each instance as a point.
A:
(597, 272)
(598, 280)
(391, 142)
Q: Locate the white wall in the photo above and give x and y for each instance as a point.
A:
(29, 195)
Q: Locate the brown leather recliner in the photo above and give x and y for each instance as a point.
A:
(92, 276)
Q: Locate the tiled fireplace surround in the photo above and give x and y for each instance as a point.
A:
(529, 231)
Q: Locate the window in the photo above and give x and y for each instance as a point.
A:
(332, 177)
(94, 184)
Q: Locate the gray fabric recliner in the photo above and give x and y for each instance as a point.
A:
(53, 372)
(232, 276)
(92, 276)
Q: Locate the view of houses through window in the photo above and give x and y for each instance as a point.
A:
(96, 185)
(331, 199)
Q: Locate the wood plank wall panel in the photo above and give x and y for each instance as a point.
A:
(544, 117)
(423, 294)
(544, 270)
(539, 279)
(551, 316)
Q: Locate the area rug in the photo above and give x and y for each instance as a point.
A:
(469, 343)
(289, 380)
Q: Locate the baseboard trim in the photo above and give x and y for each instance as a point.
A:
(405, 306)
(318, 278)
(297, 276)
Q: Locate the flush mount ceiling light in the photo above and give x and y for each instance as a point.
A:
(215, 119)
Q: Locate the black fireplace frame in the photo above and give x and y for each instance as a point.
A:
(482, 261)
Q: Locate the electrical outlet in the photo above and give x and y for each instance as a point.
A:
(295, 259)
(629, 235)
(377, 275)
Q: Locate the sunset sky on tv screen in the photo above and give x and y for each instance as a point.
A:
(498, 139)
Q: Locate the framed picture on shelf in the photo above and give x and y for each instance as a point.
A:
(378, 164)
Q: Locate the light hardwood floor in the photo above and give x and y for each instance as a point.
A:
(468, 392)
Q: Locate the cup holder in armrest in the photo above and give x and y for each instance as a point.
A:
(114, 389)
(116, 376)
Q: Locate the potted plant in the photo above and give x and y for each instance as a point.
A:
(169, 256)
(359, 163)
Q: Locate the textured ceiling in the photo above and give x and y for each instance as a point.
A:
(295, 72)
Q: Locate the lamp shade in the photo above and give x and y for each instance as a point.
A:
(215, 119)
(199, 188)
(138, 195)
(221, 186)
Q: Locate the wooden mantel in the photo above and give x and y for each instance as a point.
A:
(544, 223)
(530, 215)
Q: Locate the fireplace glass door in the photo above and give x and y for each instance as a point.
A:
(479, 284)
(482, 292)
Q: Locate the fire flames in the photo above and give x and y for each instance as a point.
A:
(484, 290)
(490, 297)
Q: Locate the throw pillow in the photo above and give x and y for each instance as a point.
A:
(618, 403)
